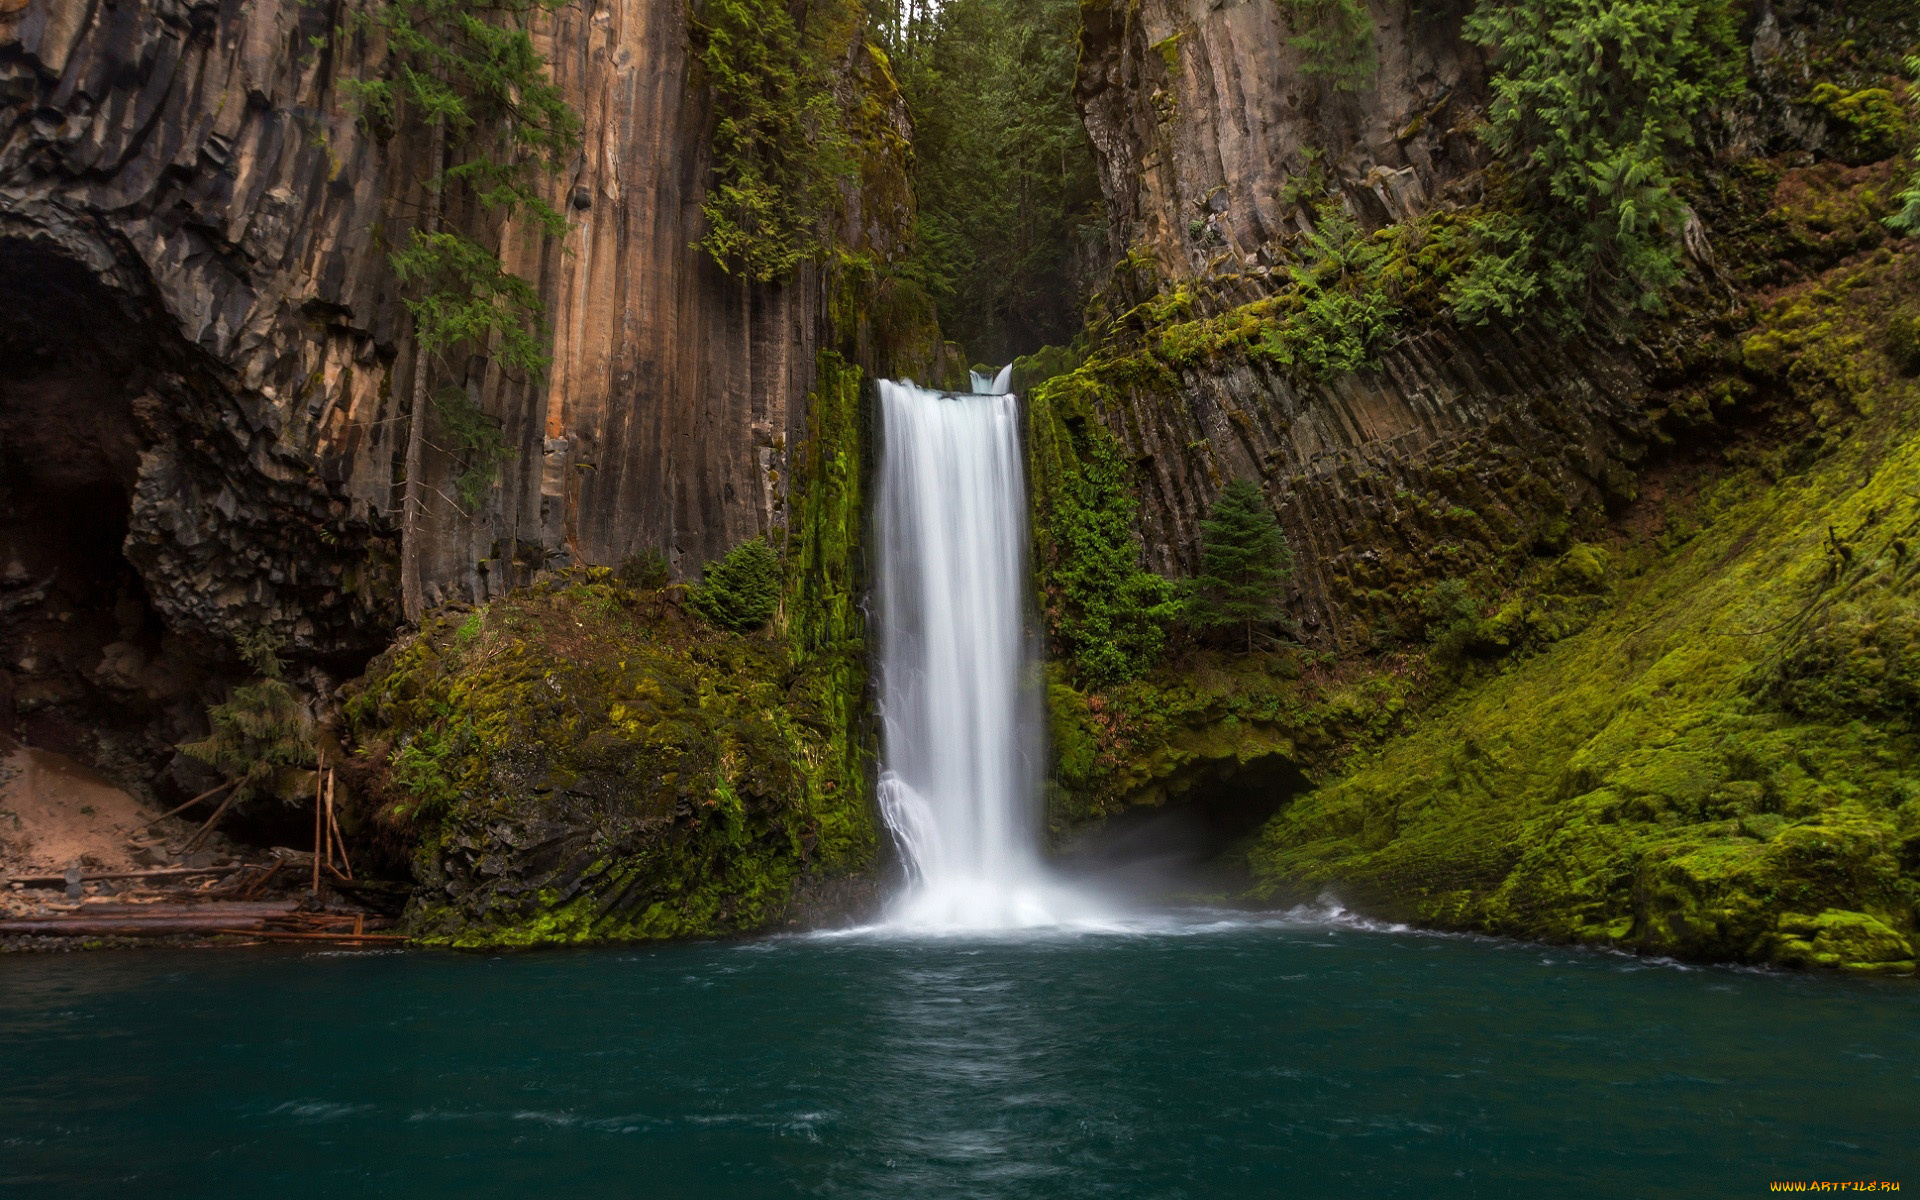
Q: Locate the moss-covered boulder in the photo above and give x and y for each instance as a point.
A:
(588, 761)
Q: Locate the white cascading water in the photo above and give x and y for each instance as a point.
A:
(961, 720)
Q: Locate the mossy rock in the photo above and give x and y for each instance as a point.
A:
(1851, 940)
(587, 762)
(1711, 741)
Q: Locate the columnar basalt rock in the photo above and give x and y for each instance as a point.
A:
(1217, 136)
(196, 162)
(1208, 121)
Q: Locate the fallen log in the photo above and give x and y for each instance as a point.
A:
(275, 935)
(244, 908)
(60, 881)
(89, 926)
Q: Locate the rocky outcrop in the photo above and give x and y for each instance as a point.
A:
(206, 370)
(1217, 135)
(193, 162)
(1211, 123)
(586, 761)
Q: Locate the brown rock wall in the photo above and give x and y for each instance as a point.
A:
(1214, 142)
(193, 159)
(1202, 112)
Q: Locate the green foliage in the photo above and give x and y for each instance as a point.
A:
(1336, 38)
(260, 729)
(1498, 277)
(647, 570)
(470, 66)
(1245, 563)
(1907, 219)
(1592, 101)
(1003, 172)
(1105, 615)
(1344, 313)
(781, 148)
(475, 438)
(740, 592)
(462, 295)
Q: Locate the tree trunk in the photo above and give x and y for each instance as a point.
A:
(413, 504)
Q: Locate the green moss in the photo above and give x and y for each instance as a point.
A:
(595, 764)
(1206, 719)
(1868, 124)
(1709, 750)
(826, 629)
(1105, 615)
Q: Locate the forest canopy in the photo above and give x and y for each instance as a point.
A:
(1010, 220)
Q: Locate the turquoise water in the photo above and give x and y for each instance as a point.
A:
(1284, 1058)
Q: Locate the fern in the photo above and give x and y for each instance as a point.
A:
(1907, 219)
(1592, 102)
(1345, 314)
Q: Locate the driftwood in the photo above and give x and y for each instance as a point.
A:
(278, 935)
(147, 920)
(60, 881)
(272, 920)
(193, 843)
(174, 812)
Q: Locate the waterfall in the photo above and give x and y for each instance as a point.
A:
(961, 716)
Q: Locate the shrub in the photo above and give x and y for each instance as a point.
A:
(647, 570)
(742, 590)
(1345, 313)
(1592, 101)
(259, 729)
(1452, 619)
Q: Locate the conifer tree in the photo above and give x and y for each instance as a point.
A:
(1907, 218)
(259, 729)
(742, 590)
(469, 71)
(1245, 561)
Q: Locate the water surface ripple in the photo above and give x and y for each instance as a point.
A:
(1301, 1057)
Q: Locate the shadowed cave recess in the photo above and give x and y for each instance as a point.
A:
(104, 456)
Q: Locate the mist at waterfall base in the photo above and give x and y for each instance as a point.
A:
(961, 718)
(1303, 1056)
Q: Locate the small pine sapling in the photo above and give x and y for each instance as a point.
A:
(742, 591)
(260, 729)
(1245, 562)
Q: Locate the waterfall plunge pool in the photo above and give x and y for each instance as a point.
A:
(1203, 1057)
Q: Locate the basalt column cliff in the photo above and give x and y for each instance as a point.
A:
(206, 367)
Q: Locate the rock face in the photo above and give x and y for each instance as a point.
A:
(207, 369)
(1216, 137)
(193, 164)
(1210, 122)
